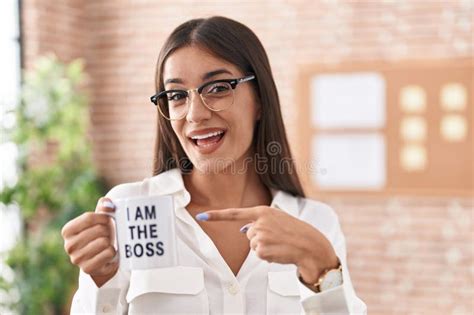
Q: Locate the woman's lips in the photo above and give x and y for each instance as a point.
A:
(209, 144)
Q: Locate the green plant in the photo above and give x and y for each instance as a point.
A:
(57, 181)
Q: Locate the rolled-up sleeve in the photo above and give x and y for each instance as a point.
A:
(341, 299)
(108, 299)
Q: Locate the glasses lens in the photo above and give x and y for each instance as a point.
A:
(173, 104)
(218, 95)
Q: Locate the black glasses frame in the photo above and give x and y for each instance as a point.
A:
(233, 83)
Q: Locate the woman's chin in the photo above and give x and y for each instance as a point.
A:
(212, 165)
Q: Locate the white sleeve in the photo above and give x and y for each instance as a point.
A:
(341, 299)
(108, 299)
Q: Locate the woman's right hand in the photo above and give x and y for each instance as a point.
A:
(89, 241)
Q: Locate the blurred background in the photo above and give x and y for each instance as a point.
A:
(377, 98)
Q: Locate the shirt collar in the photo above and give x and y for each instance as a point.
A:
(167, 183)
(284, 201)
(171, 183)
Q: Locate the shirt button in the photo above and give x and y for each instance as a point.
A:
(106, 308)
(233, 288)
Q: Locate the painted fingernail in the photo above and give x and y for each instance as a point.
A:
(108, 204)
(245, 228)
(202, 216)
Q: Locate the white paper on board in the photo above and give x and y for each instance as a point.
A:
(354, 100)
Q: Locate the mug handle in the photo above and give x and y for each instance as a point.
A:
(112, 215)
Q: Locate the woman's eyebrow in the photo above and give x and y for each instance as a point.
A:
(173, 81)
(206, 76)
(214, 73)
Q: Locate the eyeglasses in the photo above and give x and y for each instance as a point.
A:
(216, 95)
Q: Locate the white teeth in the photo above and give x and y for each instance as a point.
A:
(212, 134)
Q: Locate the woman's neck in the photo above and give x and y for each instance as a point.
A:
(227, 189)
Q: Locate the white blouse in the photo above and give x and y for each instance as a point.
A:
(203, 283)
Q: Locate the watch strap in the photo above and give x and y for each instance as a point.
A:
(316, 287)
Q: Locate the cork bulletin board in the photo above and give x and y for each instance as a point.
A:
(388, 128)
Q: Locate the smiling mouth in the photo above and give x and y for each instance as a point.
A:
(208, 140)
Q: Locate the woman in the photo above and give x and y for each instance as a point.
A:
(249, 240)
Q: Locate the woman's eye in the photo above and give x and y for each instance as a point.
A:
(176, 97)
(218, 88)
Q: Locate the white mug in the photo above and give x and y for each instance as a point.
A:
(145, 231)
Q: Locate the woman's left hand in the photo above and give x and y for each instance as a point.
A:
(281, 238)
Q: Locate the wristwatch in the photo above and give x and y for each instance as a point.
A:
(329, 279)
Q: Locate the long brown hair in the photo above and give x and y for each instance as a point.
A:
(235, 43)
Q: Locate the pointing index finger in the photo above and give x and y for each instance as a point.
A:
(230, 214)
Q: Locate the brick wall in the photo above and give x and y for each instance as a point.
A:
(53, 26)
(410, 255)
(407, 254)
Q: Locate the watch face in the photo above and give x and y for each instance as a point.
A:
(332, 279)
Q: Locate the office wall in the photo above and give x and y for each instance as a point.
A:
(407, 254)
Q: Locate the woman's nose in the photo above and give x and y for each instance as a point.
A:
(197, 110)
